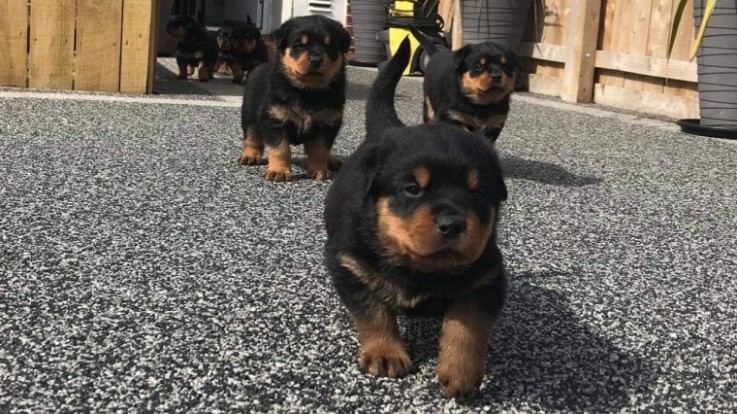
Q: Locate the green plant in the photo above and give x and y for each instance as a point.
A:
(708, 10)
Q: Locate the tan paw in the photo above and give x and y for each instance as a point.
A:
(385, 361)
(320, 175)
(251, 156)
(460, 379)
(270, 175)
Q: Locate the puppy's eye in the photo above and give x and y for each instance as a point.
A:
(413, 190)
(478, 195)
(298, 46)
(478, 66)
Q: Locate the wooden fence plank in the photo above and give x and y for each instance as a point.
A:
(99, 23)
(676, 107)
(634, 34)
(51, 60)
(647, 66)
(583, 28)
(13, 42)
(543, 51)
(138, 29)
(657, 40)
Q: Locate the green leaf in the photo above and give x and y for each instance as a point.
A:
(708, 10)
(674, 29)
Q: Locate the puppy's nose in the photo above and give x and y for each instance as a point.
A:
(315, 61)
(496, 77)
(450, 227)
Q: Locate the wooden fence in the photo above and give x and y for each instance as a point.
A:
(94, 45)
(612, 52)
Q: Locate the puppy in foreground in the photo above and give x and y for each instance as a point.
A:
(411, 224)
(469, 87)
(297, 98)
(195, 48)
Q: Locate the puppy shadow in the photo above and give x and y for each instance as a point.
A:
(543, 354)
(543, 172)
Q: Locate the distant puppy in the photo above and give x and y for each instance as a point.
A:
(195, 48)
(411, 227)
(297, 98)
(242, 49)
(469, 87)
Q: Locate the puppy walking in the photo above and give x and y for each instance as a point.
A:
(195, 48)
(297, 98)
(411, 225)
(469, 87)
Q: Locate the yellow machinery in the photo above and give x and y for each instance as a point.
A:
(402, 14)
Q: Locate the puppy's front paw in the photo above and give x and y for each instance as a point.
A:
(385, 360)
(251, 156)
(271, 175)
(460, 377)
(320, 174)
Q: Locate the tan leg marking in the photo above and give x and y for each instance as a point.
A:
(237, 73)
(463, 349)
(318, 159)
(280, 162)
(253, 149)
(382, 352)
(203, 72)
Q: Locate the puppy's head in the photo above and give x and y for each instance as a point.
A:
(436, 191)
(486, 72)
(245, 38)
(182, 27)
(223, 38)
(312, 50)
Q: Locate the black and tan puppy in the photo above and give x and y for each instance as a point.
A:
(469, 87)
(411, 224)
(241, 49)
(297, 98)
(195, 48)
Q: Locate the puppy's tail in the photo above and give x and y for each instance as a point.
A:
(427, 44)
(380, 112)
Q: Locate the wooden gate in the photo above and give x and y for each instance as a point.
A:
(92, 45)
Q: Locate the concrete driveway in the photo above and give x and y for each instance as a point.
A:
(143, 270)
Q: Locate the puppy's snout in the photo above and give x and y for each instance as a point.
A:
(316, 61)
(496, 77)
(450, 227)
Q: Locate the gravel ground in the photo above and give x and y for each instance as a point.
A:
(142, 269)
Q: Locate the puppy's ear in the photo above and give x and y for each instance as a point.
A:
(460, 55)
(281, 35)
(345, 40)
(514, 61)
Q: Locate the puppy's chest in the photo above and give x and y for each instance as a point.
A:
(305, 119)
(399, 290)
(477, 122)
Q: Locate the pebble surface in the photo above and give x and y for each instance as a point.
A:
(143, 270)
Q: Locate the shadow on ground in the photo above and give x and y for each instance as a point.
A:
(543, 172)
(542, 354)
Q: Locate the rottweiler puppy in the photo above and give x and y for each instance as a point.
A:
(241, 49)
(411, 228)
(297, 98)
(195, 48)
(469, 87)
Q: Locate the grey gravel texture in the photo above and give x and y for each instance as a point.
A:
(143, 270)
